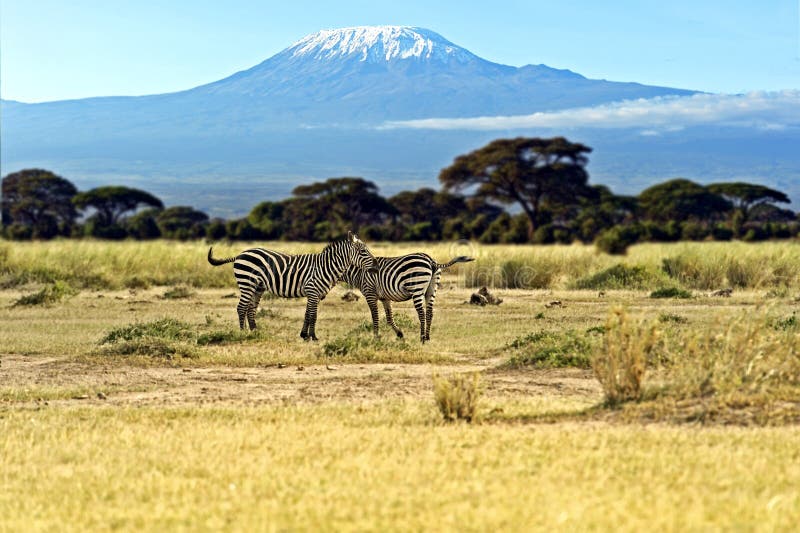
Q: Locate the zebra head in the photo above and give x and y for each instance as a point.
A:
(361, 256)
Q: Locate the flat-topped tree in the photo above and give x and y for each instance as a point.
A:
(532, 172)
(346, 201)
(680, 200)
(745, 196)
(112, 202)
(40, 199)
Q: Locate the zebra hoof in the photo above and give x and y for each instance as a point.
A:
(399, 334)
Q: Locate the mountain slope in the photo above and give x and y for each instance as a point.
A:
(314, 110)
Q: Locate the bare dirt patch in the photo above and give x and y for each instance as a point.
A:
(108, 384)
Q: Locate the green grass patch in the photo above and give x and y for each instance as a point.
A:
(48, 295)
(152, 347)
(670, 292)
(551, 349)
(177, 293)
(620, 276)
(230, 336)
(164, 328)
(671, 318)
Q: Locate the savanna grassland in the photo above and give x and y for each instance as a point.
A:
(130, 400)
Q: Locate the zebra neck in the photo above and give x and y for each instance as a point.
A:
(334, 263)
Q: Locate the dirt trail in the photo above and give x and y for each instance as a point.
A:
(131, 385)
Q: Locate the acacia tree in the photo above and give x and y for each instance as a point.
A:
(112, 202)
(532, 172)
(746, 196)
(39, 199)
(680, 200)
(342, 204)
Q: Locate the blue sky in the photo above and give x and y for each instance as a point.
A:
(51, 50)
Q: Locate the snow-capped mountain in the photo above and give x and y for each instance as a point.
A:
(376, 73)
(315, 110)
(375, 44)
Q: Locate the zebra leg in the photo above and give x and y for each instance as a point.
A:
(429, 319)
(430, 296)
(373, 311)
(387, 307)
(419, 304)
(241, 310)
(251, 311)
(311, 318)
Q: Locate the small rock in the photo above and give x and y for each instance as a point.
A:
(554, 303)
(101, 396)
(484, 297)
(725, 293)
(601, 294)
(300, 368)
(350, 296)
(187, 370)
(81, 397)
(329, 367)
(281, 365)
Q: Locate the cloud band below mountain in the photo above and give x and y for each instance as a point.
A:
(762, 110)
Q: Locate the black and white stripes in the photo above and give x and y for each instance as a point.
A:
(408, 277)
(293, 276)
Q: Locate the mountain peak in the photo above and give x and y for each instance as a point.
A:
(374, 44)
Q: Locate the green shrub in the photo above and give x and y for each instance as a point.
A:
(165, 328)
(619, 276)
(360, 343)
(615, 241)
(457, 397)
(550, 349)
(48, 295)
(670, 292)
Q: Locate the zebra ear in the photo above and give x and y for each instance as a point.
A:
(351, 237)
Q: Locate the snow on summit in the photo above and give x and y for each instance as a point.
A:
(379, 43)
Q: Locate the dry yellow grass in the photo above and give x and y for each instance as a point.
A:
(701, 266)
(389, 466)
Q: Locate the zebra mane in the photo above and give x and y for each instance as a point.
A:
(334, 243)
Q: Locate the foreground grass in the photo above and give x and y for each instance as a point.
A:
(386, 466)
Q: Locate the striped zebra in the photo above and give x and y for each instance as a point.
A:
(408, 277)
(294, 276)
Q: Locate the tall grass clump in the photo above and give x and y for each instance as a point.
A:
(742, 360)
(708, 266)
(457, 397)
(50, 294)
(619, 362)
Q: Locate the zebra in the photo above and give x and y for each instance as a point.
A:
(409, 277)
(293, 276)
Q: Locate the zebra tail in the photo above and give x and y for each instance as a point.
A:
(218, 262)
(459, 259)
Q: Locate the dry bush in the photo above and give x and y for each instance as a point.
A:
(744, 356)
(619, 363)
(457, 396)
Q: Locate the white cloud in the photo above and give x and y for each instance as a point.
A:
(763, 110)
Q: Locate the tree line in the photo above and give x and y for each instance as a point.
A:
(543, 181)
